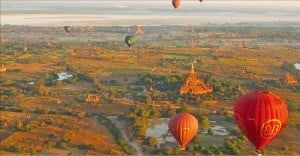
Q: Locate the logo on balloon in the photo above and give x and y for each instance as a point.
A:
(270, 128)
(186, 128)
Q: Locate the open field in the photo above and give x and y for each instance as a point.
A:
(45, 134)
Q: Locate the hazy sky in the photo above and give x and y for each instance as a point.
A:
(145, 12)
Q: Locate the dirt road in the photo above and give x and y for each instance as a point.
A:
(123, 127)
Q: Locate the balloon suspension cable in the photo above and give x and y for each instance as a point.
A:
(258, 152)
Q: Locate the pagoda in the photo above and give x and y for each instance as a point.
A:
(139, 30)
(194, 85)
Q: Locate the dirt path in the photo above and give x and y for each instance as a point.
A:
(122, 126)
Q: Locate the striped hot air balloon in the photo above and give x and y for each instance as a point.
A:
(261, 116)
(183, 127)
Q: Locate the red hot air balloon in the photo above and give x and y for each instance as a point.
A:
(261, 116)
(175, 3)
(183, 127)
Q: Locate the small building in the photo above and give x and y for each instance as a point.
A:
(195, 85)
(72, 53)
(139, 31)
(2, 68)
(58, 101)
(3, 123)
(290, 79)
(92, 98)
(19, 125)
(43, 124)
(24, 49)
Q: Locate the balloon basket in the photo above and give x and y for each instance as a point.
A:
(258, 152)
(182, 148)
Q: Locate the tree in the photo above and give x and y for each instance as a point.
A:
(285, 148)
(291, 106)
(167, 151)
(62, 144)
(190, 148)
(65, 137)
(150, 141)
(210, 131)
(59, 83)
(21, 98)
(182, 109)
(148, 99)
(49, 144)
(177, 150)
(197, 138)
(203, 122)
(81, 114)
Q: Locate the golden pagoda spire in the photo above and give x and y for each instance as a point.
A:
(192, 69)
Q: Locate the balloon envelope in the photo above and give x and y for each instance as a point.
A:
(261, 116)
(67, 29)
(183, 127)
(129, 40)
(176, 3)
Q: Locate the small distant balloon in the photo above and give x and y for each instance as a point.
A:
(176, 3)
(129, 40)
(67, 29)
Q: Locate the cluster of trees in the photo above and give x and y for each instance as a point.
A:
(151, 142)
(194, 148)
(116, 132)
(233, 145)
(65, 139)
(166, 111)
(162, 82)
(138, 120)
(169, 150)
(147, 96)
(224, 89)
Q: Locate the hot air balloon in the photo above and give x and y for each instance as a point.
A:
(176, 3)
(261, 116)
(183, 127)
(67, 29)
(200, 0)
(129, 40)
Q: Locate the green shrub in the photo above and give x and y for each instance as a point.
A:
(210, 131)
(167, 151)
(62, 144)
(150, 141)
(49, 144)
